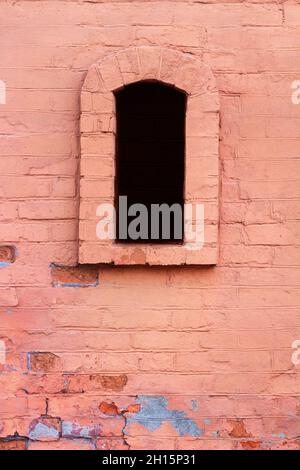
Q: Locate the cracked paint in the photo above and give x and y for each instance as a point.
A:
(70, 429)
(154, 412)
(74, 277)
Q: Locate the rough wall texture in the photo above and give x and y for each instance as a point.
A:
(142, 358)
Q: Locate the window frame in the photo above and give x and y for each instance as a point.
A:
(97, 159)
(143, 93)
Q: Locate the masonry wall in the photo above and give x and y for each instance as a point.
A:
(140, 357)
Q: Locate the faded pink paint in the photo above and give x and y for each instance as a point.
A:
(211, 342)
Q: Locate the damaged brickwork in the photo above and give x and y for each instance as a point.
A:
(154, 422)
(96, 357)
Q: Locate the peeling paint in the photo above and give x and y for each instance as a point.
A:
(41, 431)
(114, 382)
(154, 412)
(251, 445)
(28, 361)
(109, 409)
(194, 405)
(281, 435)
(4, 264)
(74, 276)
(95, 284)
(44, 361)
(8, 255)
(238, 429)
(45, 428)
(70, 429)
(14, 442)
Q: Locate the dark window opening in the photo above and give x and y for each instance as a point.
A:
(150, 149)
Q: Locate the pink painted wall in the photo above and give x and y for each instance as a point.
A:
(172, 358)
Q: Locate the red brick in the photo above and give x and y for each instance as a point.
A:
(63, 444)
(42, 361)
(83, 276)
(111, 444)
(7, 254)
(13, 444)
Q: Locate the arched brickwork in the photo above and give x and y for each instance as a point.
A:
(188, 74)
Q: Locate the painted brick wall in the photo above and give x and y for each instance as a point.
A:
(143, 358)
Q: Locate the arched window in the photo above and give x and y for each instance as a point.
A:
(150, 148)
(149, 130)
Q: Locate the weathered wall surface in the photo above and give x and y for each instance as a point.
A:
(143, 358)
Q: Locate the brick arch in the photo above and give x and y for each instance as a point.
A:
(182, 70)
(175, 68)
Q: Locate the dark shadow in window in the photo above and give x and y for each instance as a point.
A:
(150, 150)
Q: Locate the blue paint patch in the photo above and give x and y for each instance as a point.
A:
(4, 264)
(194, 405)
(41, 431)
(29, 361)
(70, 429)
(154, 412)
(207, 421)
(9, 368)
(94, 284)
(85, 432)
(72, 284)
(281, 435)
(67, 428)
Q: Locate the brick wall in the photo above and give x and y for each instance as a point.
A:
(142, 358)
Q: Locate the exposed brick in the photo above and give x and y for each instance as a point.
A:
(113, 382)
(81, 428)
(78, 276)
(111, 444)
(7, 255)
(63, 444)
(238, 429)
(13, 443)
(108, 409)
(42, 361)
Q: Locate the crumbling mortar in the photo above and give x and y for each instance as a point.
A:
(123, 414)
